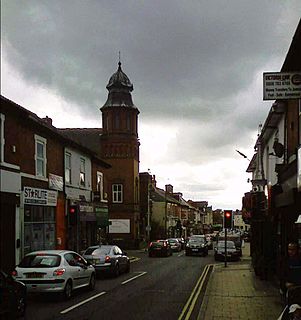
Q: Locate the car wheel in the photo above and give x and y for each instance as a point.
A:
(21, 305)
(128, 267)
(68, 290)
(92, 282)
(116, 271)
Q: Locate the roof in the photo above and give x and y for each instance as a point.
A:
(120, 79)
(252, 164)
(89, 137)
(159, 195)
(66, 138)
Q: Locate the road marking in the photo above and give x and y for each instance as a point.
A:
(83, 302)
(194, 295)
(197, 295)
(131, 279)
(134, 260)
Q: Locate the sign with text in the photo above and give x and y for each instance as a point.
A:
(281, 85)
(119, 226)
(42, 197)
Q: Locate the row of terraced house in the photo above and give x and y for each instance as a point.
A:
(273, 206)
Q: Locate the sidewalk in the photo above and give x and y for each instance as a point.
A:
(236, 293)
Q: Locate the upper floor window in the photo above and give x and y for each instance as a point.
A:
(68, 167)
(99, 184)
(40, 156)
(117, 191)
(2, 140)
(117, 121)
(299, 121)
(128, 122)
(82, 174)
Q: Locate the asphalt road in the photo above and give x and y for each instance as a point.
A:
(155, 288)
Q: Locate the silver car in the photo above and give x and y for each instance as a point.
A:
(108, 258)
(55, 271)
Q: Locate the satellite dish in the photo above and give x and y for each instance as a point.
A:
(278, 149)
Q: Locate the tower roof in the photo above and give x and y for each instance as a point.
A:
(120, 88)
(120, 80)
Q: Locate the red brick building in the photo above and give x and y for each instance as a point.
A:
(117, 143)
(34, 182)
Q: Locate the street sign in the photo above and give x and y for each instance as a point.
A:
(281, 85)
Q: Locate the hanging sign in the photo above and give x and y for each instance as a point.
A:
(281, 85)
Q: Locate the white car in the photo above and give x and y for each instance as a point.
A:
(55, 271)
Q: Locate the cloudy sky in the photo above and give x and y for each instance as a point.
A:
(196, 67)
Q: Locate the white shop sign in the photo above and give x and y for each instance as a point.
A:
(42, 197)
(281, 85)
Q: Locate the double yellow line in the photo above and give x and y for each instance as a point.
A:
(195, 294)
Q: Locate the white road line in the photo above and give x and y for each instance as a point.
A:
(83, 302)
(131, 279)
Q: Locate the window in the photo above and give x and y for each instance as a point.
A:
(299, 121)
(2, 118)
(128, 122)
(82, 172)
(117, 193)
(99, 186)
(117, 121)
(68, 167)
(40, 156)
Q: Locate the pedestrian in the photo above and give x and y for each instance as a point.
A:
(295, 312)
(291, 279)
(293, 271)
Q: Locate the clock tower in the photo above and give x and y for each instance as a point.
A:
(120, 148)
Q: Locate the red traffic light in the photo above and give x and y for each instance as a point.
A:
(72, 210)
(228, 215)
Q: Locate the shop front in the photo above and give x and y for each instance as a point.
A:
(39, 219)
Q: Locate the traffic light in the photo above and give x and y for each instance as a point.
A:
(228, 219)
(73, 214)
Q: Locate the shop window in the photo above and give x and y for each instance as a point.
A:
(68, 167)
(117, 191)
(40, 156)
(82, 175)
(39, 228)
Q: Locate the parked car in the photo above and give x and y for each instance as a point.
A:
(196, 245)
(12, 297)
(175, 244)
(232, 253)
(159, 248)
(58, 271)
(108, 259)
(236, 238)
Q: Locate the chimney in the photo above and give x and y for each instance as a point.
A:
(47, 120)
(169, 188)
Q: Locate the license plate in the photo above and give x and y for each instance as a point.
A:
(195, 249)
(34, 275)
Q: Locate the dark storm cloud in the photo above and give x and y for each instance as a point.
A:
(187, 59)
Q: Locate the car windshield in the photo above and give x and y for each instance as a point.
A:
(197, 240)
(40, 261)
(230, 245)
(99, 251)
